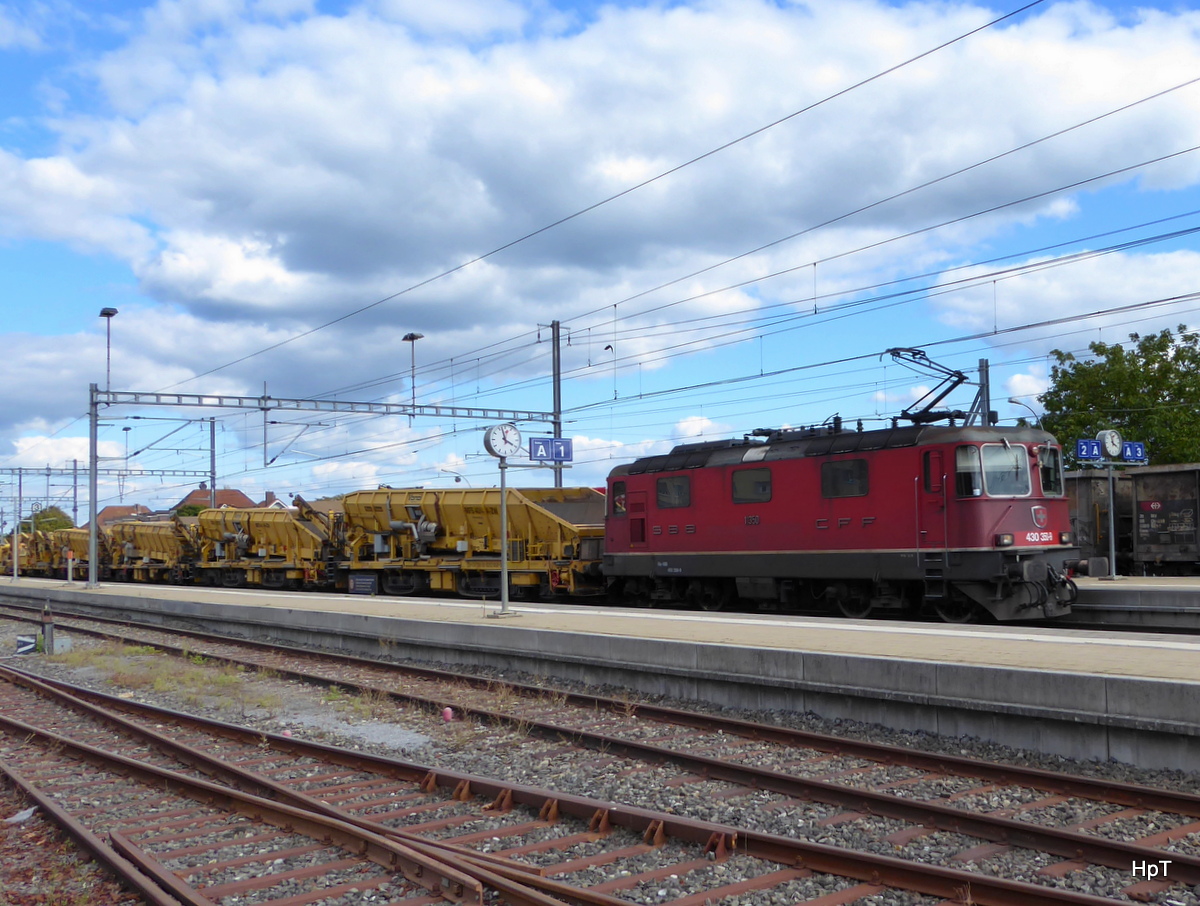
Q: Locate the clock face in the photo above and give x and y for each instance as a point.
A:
(502, 440)
(1112, 443)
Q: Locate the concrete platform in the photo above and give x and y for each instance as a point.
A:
(1149, 603)
(1091, 695)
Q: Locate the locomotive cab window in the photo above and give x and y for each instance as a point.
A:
(752, 486)
(1006, 470)
(618, 498)
(674, 491)
(844, 478)
(1050, 470)
(968, 475)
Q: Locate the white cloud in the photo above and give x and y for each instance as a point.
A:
(16, 33)
(263, 168)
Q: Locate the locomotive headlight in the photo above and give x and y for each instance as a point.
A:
(1064, 537)
(1005, 540)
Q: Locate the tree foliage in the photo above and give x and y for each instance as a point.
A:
(190, 509)
(1150, 392)
(50, 519)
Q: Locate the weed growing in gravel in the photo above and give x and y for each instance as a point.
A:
(503, 697)
(333, 695)
(369, 703)
(458, 735)
(194, 679)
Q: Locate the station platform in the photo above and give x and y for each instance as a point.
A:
(1140, 602)
(1101, 695)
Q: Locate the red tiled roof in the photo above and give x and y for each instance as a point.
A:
(225, 497)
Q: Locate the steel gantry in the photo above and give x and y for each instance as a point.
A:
(265, 404)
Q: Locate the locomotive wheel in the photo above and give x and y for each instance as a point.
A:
(855, 606)
(851, 601)
(957, 607)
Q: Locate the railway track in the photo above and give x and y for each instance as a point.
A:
(283, 821)
(904, 803)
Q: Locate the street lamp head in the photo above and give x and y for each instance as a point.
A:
(107, 312)
(409, 337)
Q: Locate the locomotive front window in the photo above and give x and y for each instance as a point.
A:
(618, 498)
(1006, 470)
(1050, 468)
(968, 475)
(752, 486)
(674, 491)
(844, 478)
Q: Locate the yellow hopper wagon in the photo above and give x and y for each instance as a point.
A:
(411, 541)
(160, 551)
(73, 546)
(296, 547)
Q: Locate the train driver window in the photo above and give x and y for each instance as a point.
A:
(1050, 468)
(1006, 470)
(752, 486)
(674, 491)
(844, 478)
(618, 498)
(968, 476)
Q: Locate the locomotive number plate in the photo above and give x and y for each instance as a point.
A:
(1039, 537)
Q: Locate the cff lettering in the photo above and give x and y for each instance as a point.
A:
(1151, 869)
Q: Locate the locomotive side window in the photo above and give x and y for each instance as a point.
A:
(1006, 470)
(844, 478)
(752, 486)
(968, 476)
(618, 498)
(1050, 467)
(674, 491)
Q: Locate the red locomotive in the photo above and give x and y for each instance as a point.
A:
(958, 520)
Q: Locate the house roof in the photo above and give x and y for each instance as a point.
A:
(116, 513)
(225, 497)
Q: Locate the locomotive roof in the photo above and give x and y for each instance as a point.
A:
(794, 444)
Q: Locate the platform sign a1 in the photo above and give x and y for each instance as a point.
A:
(1088, 448)
(551, 449)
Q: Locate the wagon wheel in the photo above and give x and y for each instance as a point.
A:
(957, 607)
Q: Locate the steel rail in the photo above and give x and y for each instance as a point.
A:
(144, 883)
(461, 886)
(920, 877)
(1115, 791)
(1068, 844)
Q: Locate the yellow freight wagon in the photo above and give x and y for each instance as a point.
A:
(409, 541)
(73, 547)
(268, 546)
(160, 551)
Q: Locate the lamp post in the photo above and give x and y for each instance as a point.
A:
(107, 314)
(411, 339)
(1037, 419)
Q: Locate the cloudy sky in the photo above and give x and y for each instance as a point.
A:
(733, 208)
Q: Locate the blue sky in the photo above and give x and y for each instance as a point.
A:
(236, 176)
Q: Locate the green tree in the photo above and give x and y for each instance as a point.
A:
(1150, 392)
(190, 509)
(50, 519)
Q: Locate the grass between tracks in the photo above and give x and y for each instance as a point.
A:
(193, 679)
